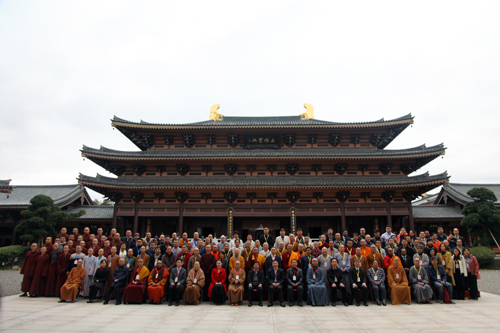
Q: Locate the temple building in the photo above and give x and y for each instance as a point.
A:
(238, 173)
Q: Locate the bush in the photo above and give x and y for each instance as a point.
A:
(9, 253)
(485, 256)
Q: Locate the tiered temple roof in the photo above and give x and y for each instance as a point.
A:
(422, 181)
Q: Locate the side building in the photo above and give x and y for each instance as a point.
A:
(16, 198)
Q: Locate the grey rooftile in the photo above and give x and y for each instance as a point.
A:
(22, 194)
(278, 181)
(5, 184)
(436, 212)
(265, 153)
(262, 121)
(94, 212)
(461, 190)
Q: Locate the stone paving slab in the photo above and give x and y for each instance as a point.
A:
(18, 314)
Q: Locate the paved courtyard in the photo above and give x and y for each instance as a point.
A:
(45, 314)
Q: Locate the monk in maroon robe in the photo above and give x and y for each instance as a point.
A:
(86, 235)
(28, 269)
(41, 271)
(48, 245)
(207, 265)
(52, 276)
(62, 269)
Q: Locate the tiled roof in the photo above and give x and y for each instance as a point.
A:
(261, 121)
(266, 181)
(459, 191)
(436, 212)
(22, 194)
(263, 153)
(5, 184)
(94, 212)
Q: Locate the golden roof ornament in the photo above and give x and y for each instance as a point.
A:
(309, 114)
(214, 115)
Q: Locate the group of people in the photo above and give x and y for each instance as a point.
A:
(131, 269)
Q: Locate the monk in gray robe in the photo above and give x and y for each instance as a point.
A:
(419, 281)
(317, 294)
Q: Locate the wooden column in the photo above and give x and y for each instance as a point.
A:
(115, 216)
(13, 240)
(136, 218)
(342, 218)
(180, 224)
(410, 217)
(389, 216)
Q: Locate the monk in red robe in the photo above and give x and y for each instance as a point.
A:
(28, 269)
(157, 281)
(41, 271)
(74, 283)
(136, 288)
(62, 269)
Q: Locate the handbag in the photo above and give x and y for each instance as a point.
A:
(478, 276)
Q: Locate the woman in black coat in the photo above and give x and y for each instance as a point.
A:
(100, 279)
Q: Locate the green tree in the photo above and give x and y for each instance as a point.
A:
(43, 219)
(481, 216)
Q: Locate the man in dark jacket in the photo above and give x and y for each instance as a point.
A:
(128, 239)
(255, 282)
(406, 260)
(334, 278)
(275, 280)
(295, 277)
(266, 238)
(357, 277)
(119, 279)
(439, 280)
(177, 282)
(169, 258)
(270, 259)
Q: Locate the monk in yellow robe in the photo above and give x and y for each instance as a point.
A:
(194, 284)
(74, 283)
(157, 280)
(136, 288)
(399, 289)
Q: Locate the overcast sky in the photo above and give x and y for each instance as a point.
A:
(67, 67)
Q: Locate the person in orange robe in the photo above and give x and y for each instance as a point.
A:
(28, 269)
(136, 288)
(389, 259)
(362, 259)
(397, 282)
(156, 282)
(375, 255)
(236, 258)
(365, 250)
(74, 283)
